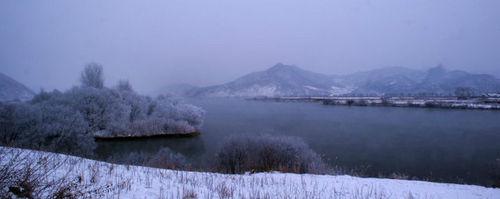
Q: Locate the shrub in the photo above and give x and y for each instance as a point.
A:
(267, 153)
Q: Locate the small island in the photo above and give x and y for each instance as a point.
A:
(74, 119)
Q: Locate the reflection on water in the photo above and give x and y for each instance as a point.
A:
(436, 144)
(192, 147)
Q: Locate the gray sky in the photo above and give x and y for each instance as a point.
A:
(45, 44)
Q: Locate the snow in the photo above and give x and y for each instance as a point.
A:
(340, 91)
(144, 182)
(312, 88)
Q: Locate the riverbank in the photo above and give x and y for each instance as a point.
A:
(105, 180)
(427, 102)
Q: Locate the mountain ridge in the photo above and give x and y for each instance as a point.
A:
(291, 80)
(11, 90)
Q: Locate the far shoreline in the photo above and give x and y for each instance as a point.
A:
(411, 102)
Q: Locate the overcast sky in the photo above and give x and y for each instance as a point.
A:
(45, 44)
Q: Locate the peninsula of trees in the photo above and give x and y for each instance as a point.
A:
(69, 121)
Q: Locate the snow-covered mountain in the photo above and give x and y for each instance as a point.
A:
(436, 80)
(440, 80)
(287, 80)
(279, 80)
(11, 90)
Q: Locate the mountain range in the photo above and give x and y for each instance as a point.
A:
(289, 80)
(11, 90)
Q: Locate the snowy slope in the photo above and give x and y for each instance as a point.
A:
(288, 80)
(279, 80)
(11, 89)
(142, 182)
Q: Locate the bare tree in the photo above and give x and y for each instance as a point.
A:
(92, 76)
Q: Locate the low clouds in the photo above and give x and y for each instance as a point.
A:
(155, 43)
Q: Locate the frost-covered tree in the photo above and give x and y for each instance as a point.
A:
(104, 108)
(123, 112)
(65, 130)
(45, 126)
(138, 104)
(177, 116)
(193, 115)
(92, 76)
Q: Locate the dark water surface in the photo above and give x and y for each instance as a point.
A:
(431, 144)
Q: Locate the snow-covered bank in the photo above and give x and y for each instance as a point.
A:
(430, 102)
(121, 181)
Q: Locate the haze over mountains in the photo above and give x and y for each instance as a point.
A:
(289, 80)
(11, 89)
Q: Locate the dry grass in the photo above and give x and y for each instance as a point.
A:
(91, 179)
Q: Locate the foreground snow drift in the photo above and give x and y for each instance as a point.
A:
(122, 181)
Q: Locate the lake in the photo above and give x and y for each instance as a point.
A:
(461, 146)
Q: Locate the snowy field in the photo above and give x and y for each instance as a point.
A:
(104, 180)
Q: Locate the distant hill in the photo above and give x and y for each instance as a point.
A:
(279, 80)
(287, 80)
(436, 80)
(11, 90)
